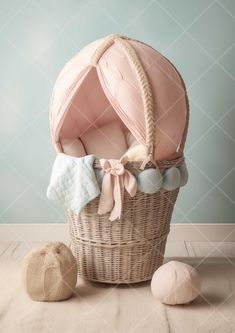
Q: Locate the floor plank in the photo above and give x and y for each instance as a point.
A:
(176, 249)
(7, 249)
(24, 248)
(105, 308)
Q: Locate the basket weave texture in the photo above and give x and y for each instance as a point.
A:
(129, 249)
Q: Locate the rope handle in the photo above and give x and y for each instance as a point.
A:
(185, 132)
(184, 136)
(144, 86)
(146, 92)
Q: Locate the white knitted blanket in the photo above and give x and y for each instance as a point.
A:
(73, 182)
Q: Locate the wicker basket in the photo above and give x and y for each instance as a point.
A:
(129, 249)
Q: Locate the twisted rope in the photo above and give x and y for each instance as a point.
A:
(146, 94)
(185, 132)
(145, 87)
(109, 40)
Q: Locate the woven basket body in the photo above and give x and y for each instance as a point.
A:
(128, 250)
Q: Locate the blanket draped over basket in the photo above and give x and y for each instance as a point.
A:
(128, 245)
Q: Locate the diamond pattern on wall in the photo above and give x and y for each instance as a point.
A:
(8, 10)
(11, 61)
(155, 27)
(30, 207)
(215, 209)
(185, 11)
(190, 60)
(227, 61)
(12, 184)
(20, 155)
(52, 60)
(31, 31)
(91, 23)
(217, 161)
(229, 5)
(190, 195)
(228, 123)
(213, 36)
(38, 37)
(13, 124)
(63, 11)
(214, 93)
(29, 92)
(199, 125)
(133, 9)
(228, 185)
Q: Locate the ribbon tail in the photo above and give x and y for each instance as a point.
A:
(130, 183)
(106, 196)
(118, 198)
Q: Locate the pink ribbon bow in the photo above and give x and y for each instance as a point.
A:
(116, 179)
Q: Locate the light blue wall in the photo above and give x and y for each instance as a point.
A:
(38, 37)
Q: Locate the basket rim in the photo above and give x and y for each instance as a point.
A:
(176, 160)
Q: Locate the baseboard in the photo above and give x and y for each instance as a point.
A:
(218, 232)
(202, 232)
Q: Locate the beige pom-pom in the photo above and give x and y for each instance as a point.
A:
(50, 272)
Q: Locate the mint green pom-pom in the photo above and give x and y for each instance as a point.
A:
(171, 179)
(149, 180)
(183, 174)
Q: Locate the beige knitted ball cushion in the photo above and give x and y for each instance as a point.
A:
(50, 272)
(175, 283)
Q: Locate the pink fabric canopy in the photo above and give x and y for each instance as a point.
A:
(90, 94)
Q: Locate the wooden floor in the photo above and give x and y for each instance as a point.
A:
(123, 309)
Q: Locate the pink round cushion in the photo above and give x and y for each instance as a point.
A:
(175, 283)
(87, 95)
(73, 147)
(107, 141)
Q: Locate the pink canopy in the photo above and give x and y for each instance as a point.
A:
(100, 84)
